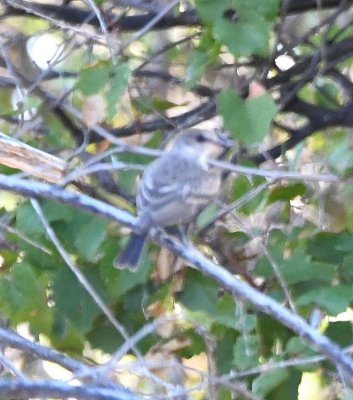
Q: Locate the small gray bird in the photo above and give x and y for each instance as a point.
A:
(175, 187)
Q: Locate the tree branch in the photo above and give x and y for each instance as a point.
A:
(319, 118)
(76, 15)
(12, 339)
(334, 52)
(19, 389)
(190, 118)
(238, 288)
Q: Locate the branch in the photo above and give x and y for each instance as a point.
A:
(319, 118)
(51, 192)
(190, 118)
(299, 6)
(237, 287)
(78, 16)
(14, 340)
(19, 389)
(334, 53)
(242, 291)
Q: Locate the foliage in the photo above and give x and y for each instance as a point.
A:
(103, 105)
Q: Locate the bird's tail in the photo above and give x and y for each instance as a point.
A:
(130, 256)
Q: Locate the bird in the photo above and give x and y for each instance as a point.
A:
(175, 187)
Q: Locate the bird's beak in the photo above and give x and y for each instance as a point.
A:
(224, 140)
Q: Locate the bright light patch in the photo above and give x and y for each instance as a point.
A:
(44, 49)
(284, 62)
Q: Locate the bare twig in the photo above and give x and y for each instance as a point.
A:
(19, 389)
(76, 15)
(10, 366)
(164, 11)
(92, 292)
(275, 174)
(13, 339)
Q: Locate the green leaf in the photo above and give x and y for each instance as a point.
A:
(299, 268)
(55, 211)
(265, 383)
(149, 105)
(297, 345)
(252, 37)
(104, 336)
(268, 9)
(130, 313)
(348, 206)
(271, 333)
(260, 111)
(340, 332)
(247, 32)
(225, 314)
(224, 394)
(90, 237)
(246, 352)
(31, 102)
(119, 282)
(23, 297)
(341, 157)
(210, 10)
(6, 106)
(72, 301)
(334, 299)
(248, 120)
(200, 293)
(200, 58)
(287, 192)
(328, 95)
(28, 222)
(346, 269)
(330, 247)
(296, 267)
(198, 62)
(58, 136)
(207, 214)
(68, 339)
(224, 351)
(242, 185)
(117, 85)
(288, 388)
(110, 79)
(93, 79)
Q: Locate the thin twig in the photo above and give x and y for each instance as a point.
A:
(275, 174)
(9, 365)
(19, 389)
(12, 339)
(91, 290)
(164, 11)
(78, 274)
(236, 205)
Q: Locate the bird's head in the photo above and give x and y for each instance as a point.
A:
(201, 143)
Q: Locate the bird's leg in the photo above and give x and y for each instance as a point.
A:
(181, 231)
(184, 233)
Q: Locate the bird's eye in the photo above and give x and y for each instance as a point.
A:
(200, 138)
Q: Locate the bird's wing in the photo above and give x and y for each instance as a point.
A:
(164, 183)
(155, 192)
